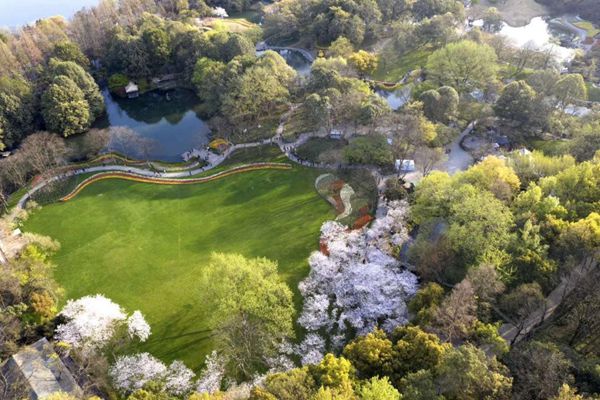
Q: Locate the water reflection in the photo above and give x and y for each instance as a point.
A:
(538, 34)
(397, 98)
(170, 122)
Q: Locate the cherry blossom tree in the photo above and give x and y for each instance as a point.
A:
(212, 375)
(356, 282)
(219, 12)
(130, 373)
(137, 327)
(133, 372)
(92, 322)
(178, 380)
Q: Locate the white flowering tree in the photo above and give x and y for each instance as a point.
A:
(92, 322)
(355, 282)
(133, 372)
(130, 373)
(211, 377)
(178, 379)
(219, 12)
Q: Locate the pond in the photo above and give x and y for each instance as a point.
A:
(167, 124)
(27, 11)
(398, 98)
(541, 35)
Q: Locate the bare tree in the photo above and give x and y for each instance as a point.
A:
(456, 315)
(428, 158)
(95, 141)
(43, 151)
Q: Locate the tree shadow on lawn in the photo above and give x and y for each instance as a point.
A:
(180, 337)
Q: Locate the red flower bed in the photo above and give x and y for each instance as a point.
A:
(362, 221)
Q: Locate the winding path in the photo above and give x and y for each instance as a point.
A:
(514, 333)
(459, 160)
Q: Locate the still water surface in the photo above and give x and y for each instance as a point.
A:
(14, 13)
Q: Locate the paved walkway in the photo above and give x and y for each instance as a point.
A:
(514, 334)
(458, 160)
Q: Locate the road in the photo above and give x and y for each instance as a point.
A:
(458, 159)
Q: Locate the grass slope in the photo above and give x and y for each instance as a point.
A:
(144, 245)
(392, 67)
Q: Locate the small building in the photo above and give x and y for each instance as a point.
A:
(132, 90)
(36, 372)
(4, 154)
(405, 165)
(335, 134)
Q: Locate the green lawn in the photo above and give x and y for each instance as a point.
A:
(322, 150)
(392, 66)
(588, 27)
(144, 245)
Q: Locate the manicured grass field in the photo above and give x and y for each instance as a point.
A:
(392, 66)
(145, 245)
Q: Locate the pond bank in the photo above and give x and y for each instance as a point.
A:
(516, 13)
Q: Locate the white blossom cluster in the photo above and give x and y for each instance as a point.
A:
(178, 379)
(130, 373)
(212, 375)
(359, 284)
(219, 12)
(92, 321)
(137, 327)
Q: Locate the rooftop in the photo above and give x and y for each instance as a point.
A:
(38, 370)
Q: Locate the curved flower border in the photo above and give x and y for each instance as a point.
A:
(167, 181)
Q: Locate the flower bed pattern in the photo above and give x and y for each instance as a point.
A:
(167, 181)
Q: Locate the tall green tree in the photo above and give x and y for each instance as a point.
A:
(208, 81)
(16, 110)
(252, 310)
(69, 51)
(64, 107)
(517, 103)
(467, 373)
(84, 81)
(378, 389)
(569, 89)
(464, 65)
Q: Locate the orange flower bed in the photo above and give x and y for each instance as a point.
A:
(168, 181)
(362, 221)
